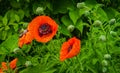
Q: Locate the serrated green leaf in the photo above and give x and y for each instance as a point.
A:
(1, 24)
(50, 71)
(101, 15)
(17, 18)
(34, 69)
(15, 25)
(62, 6)
(21, 14)
(2, 57)
(3, 50)
(90, 3)
(49, 5)
(2, 28)
(79, 25)
(66, 21)
(7, 27)
(94, 61)
(83, 11)
(5, 20)
(74, 15)
(91, 69)
(111, 13)
(14, 4)
(1, 18)
(11, 15)
(4, 35)
(64, 31)
(10, 43)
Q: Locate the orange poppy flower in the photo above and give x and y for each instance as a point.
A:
(70, 48)
(26, 38)
(12, 65)
(43, 28)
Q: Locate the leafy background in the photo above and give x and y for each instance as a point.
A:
(95, 22)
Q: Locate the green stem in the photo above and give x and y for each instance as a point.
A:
(107, 50)
(22, 53)
(79, 63)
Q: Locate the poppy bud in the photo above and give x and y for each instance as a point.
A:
(102, 37)
(113, 33)
(97, 23)
(107, 56)
(16, 50)
(28, 63)
(81, 5)
(112, 21)
(71, 28)
(39, 10)
(104, 63)
(104, 69)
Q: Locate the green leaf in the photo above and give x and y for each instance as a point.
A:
(74, 15)
(15, 25)
(17, 18)
(1, 24)
(10, 43)
(66, 20)
(5, 20)
(90, 3)
(2, 57)
(7, 28)
(34, 69)
(64, 31)
(111, 13)
(3, 50)
(14, 4)
(50, 71)
(4, 35)
(1, 28)
(62, 6)
(1, 17)
(21, 13)
(11, 16)
(91, 69)
(83, 11)
(79, 25)
(49, 5)
(26, 48)
(102, 14)
(94, 61)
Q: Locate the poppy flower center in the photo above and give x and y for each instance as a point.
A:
(44, 29)
(69, 48)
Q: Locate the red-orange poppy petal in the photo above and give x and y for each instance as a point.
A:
(21, 41)
(39, 21)
(67, 52)
(4, 66)
(25, 39)
(1, 71)
(13, 63)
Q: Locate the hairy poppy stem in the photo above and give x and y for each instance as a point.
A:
(107, 50)
(81, 67)
(65, 62)
(22, 53)
(109, 53)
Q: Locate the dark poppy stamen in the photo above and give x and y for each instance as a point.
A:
(69, 48)
(44, 29)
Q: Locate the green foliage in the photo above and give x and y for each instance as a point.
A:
(95, 22)
(9, 45)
